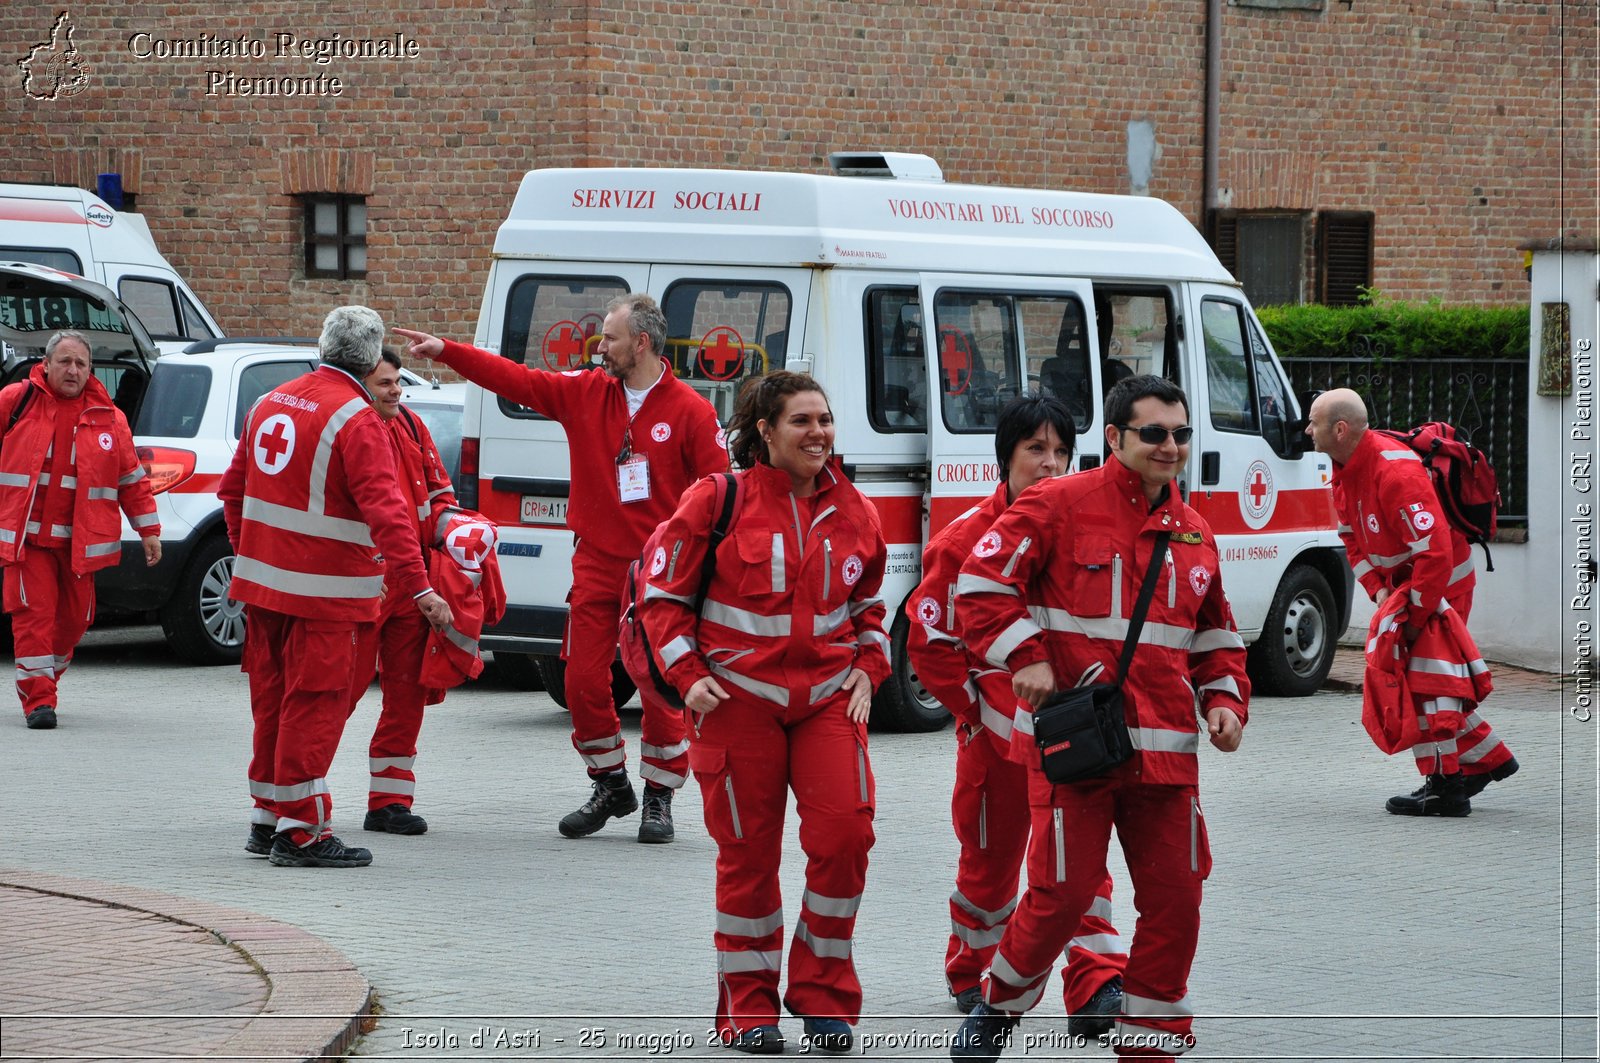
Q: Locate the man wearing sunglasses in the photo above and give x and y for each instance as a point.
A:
(1048, 594)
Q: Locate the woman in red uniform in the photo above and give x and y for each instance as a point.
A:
(777, 671)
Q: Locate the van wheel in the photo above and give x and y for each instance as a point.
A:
(521, 670)
(202, 624)
(1295, 651)
(553, 670)
(902, 703)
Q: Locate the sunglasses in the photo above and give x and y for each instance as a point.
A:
(1155, 434)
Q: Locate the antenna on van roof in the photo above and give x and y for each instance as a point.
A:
(899, 165)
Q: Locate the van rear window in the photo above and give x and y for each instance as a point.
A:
(553, 323)
(175, 401)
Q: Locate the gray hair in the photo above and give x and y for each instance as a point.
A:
(644, 317)
(66, 334)
(352, 339)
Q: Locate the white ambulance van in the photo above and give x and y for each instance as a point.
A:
(921, 307)
(72, 230)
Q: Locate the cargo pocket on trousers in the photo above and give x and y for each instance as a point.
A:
(710, 766)
(330, 652)
(1199, 841)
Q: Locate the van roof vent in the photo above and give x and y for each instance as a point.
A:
(899, 165)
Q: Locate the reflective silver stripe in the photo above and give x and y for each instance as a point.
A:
(301, 791)
(988, 918)
(32, 527)
(36, 662)
(1488, 744)
(744, 620)
(61, 531)
(317, 523)
(821, 947)
(1420, 546)
(1345, 529)
(461, 642)
(748, 960)
(60, 663)
(437, 492)
(1100, 909)
(1162, 740)
(15, 479)
(422, 511)
(44, 479)
(1216, 638)
(605, 760)
(133, 476)
(740, 926)
(306, 584)
(933, 634)
(977, 937)
(317, 501)
(1135, 1006)
(102, 494)
(768, 691)
(377, 764)
(1112, 627)
(1022, 722)
(115, 547)
(1225, 684)
(145, 520)
(825, 625)
(780, 579)
(996, 721)
(675, 650)
(262, 816)
(7, 535)
(47, 671)
(1099, 944)
(654, 593)
(832, 907)
(678, 749)
(287, 823)
(1007, 975)
(384, 785)
(861, 605)
(1116, 585)
(1388, 560)
(661, 776)
(970, 584)
(830, 686)
(1435, 666)
(1400, 455)
(874, 637)
(1019, 632)
(608, 742)
(1461, 571)
(1361, 568)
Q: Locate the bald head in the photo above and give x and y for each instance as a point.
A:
(1336, 422)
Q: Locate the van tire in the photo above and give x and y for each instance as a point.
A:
(902, 703)
(553, 670)
(1295, 651)
(202, 624)
(521, 670)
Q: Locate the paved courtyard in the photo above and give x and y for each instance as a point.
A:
(1331, 929)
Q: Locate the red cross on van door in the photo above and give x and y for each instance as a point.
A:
(721, 354)
(563, 345)
(1258, 489)
(955, 360)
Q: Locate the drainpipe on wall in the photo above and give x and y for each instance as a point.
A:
(1213, 132)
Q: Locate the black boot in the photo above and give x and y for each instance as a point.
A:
(1099, 1013)
(1439, 795)
(984, 1035)
(613, 798)
(655, 822)
(1474, 784)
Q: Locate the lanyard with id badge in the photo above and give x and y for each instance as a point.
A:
(633, 472)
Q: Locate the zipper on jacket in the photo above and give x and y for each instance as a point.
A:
(1061, 846)
(1194, 834)
(1172, 584)
(983, 821)
(861, 771)
(827, 567)
(1116, 585)
(1016, 555)
(733, 807)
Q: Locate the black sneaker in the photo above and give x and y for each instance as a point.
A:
(394, 819)
(329, 852)
(613, 798)
(759, 1041)
(984, 1035)
(1474, 784)
(260, 841)
(655, 821)
(968, 999)
(42, 719)
(1097, 1016)
(833, 1036)
(1439, 795)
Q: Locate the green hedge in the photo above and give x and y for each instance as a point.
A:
(1390, 328)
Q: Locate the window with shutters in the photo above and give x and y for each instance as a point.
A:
(336, 236)
(1265, 250)
(1344, 256)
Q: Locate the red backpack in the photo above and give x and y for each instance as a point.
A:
(1462, 478)
(638, 657)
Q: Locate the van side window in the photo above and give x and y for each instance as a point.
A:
(1228, 374)
(721, 333)
(1136, 333)
(553, 323)
(156, 304)
(985, 341)
(1272, 396)
(64, 260)
(194, 323)
(897, 373)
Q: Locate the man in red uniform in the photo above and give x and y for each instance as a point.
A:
(1396, 534)
(989, 806)
(624, 483)
(67, 465)
(1047, 594)
(402, 631)
(319, 526)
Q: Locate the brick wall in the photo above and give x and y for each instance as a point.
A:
(1444, 119)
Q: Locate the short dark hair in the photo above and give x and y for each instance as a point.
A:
(1120, 399)
(390, 355)
(1025, 415)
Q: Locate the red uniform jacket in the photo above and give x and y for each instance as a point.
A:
(313, 504)
(793, 606)
(675, 430)
(108, 473)
(1055, 579)
(1395, 530)
(466, 573)
(1444, 662)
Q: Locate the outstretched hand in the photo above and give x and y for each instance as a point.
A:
(420, 344)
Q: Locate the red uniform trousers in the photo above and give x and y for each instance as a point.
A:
(746, 757)
(594, 609)
(304, 676)
(402, 641)
(1163, 838)
(1451, 740)
(50, 608)
(989, 808)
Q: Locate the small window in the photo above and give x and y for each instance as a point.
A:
(1228, 376)
(194, 322)
(256, 380)
(336, 236)
(175, 401)
(64, 260)
(896, 361)
(553, 324)
(721, 333)
(982, 338)
(1265, 251)
(155, 302)
(1344, 256)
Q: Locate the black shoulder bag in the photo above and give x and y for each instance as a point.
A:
(1081, 731)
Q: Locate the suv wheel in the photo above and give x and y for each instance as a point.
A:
(553, 670)
(202, 624)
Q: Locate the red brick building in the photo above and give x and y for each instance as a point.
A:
(1410, 145)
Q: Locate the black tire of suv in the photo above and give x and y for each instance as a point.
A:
(553, 670)
(183, 618)
(521, 670)
(902, 703)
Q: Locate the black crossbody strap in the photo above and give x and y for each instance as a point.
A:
(1147, 591)
(729, 483)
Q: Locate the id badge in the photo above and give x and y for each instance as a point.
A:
(633, 479)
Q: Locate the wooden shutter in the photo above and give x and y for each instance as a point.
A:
(1344, 256)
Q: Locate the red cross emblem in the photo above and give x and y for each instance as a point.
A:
(564, 341)
(955, 360)
(721, 353)
(1257, 498)
(1258, 488)
(274, 444)
(469, 544)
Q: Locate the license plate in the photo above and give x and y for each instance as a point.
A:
(539, 510)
